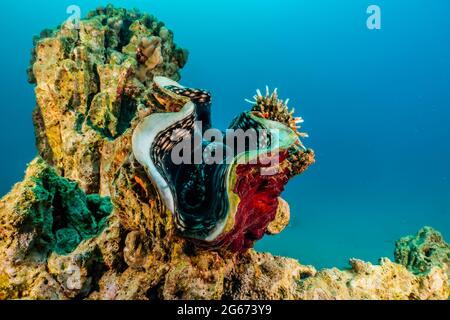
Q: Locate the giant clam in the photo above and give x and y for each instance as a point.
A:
(219, 204)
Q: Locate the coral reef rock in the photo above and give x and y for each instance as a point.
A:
(388, 281)
(424, 251)
(87, 222)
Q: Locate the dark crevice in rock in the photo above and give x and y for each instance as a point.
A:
(128, 108)
(125, 34)
(156, 292)
(79, 123)
(104, 132)
(42, 144)
(96, 268)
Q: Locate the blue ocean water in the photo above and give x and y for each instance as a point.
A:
(376, 105)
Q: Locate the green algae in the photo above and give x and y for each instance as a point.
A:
(64, 214)
(422, 252)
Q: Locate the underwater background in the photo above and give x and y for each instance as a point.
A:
(376, 104)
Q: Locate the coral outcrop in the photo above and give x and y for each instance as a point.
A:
(52, 236)
(424, 251)
(87, 223)
(364, 281)
(90, 85)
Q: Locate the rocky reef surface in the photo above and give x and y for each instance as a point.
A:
(87, 223)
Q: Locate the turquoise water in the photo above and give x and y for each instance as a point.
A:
(376, 105)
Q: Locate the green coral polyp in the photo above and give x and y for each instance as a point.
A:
(65, 214)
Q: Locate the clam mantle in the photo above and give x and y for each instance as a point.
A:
(228, 202)
(119, 240)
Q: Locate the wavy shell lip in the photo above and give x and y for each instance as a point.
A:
(144, 137)
(209, 201)
(170, 101)
(163, 82)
